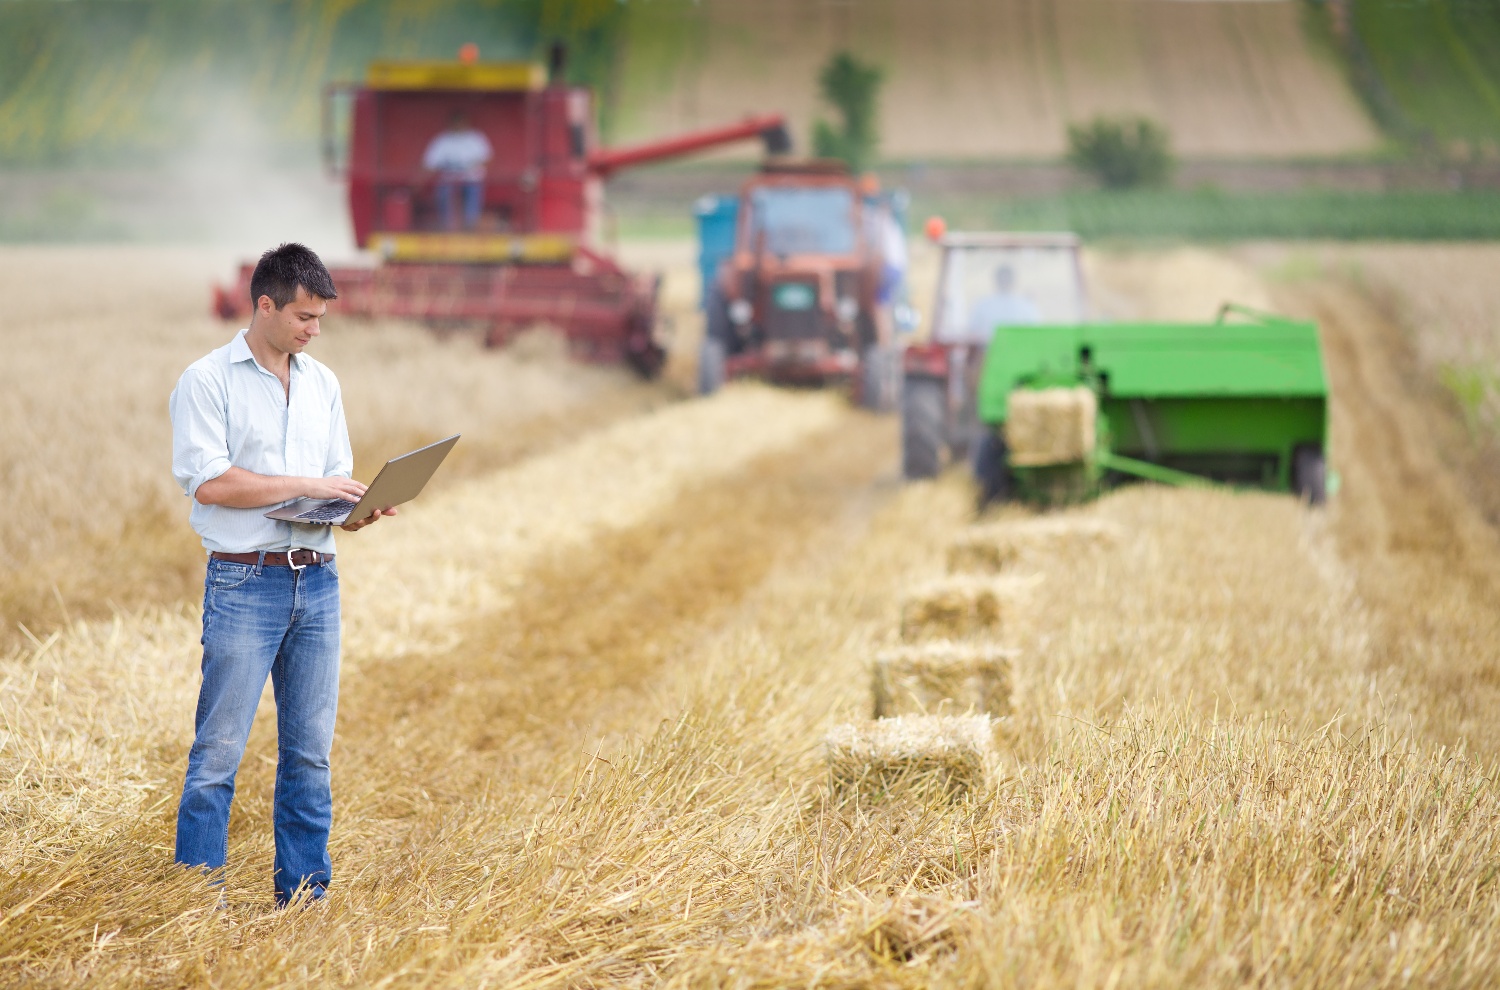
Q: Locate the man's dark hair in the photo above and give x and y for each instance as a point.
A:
(282, 269)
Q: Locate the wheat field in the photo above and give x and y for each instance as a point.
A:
(587, 683)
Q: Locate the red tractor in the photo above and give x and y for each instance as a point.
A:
(529, 256)
(985, 280)
(807, 291)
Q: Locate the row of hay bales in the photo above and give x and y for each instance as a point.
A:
(944, 698)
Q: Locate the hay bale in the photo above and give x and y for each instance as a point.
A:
(992, 548)
(959, 607)
(983, 550)
(1050, 426)
(916, 755)
(943, 678)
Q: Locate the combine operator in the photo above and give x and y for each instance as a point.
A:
(257, 423)
(458, 157)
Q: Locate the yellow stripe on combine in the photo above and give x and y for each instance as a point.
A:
(464, 248)
(513, 76)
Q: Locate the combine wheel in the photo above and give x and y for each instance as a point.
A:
(923, 402)
(992, 468)
(1310, 474)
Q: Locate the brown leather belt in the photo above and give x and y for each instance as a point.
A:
(300, 558)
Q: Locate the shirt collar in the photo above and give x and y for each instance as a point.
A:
(240, 351)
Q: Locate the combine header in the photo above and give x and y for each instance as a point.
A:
(532, 257)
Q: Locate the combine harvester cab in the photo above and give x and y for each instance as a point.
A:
(803, 284)
(1241, 401)
(533, 257)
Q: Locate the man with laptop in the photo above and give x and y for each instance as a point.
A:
(256, 424)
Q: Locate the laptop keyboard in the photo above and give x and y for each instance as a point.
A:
(328, 512)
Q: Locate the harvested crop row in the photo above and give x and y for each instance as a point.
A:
(85, 759)
(1211, 703)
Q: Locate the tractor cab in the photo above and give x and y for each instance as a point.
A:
(985, 280)
(803, 295)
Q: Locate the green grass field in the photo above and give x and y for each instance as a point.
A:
(1188, 215)
(1209, 215)
(1438, 62)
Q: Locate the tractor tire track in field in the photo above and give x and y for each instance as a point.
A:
(1423, 557)
(530, 689)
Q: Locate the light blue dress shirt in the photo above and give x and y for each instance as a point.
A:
(228, 411)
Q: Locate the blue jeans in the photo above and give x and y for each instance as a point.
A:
(261, 621)
(472, 192)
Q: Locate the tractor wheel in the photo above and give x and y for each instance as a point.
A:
(1310, 474)
(992, 468)
(923, 404)
(714, 351)
(711, 358)
(880, 378)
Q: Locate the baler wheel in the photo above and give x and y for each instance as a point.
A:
(923, 402)
(1310, 474)
(713, 352)
(992, 468)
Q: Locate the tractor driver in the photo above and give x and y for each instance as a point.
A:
(458, 156)
(1002, 307)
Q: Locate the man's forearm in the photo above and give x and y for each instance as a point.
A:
(241, 489)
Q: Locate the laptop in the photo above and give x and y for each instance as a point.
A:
(399, 481)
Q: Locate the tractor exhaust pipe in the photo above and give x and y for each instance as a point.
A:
(777, 139)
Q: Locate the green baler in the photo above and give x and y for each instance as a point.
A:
(1237, 401)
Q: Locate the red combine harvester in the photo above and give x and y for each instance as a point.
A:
(531, 257)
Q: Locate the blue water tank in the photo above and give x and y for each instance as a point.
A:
(717, 217)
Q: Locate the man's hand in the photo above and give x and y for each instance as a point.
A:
(334, 487)
(355, 527)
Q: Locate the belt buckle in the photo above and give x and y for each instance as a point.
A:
(293, 564)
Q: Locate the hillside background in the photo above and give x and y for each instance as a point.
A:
(1003, 78)
(91, 81)
(182, 118)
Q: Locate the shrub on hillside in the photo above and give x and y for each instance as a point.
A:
(851, 86)
(1123, 153)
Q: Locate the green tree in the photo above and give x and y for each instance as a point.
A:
(851, 86)
(1122, 153)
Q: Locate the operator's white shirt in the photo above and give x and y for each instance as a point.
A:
(228, 411)
(459, 154)
(1000, 309)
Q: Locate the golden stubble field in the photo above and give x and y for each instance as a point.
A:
(586, 685)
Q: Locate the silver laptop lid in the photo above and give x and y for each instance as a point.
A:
(400, 480)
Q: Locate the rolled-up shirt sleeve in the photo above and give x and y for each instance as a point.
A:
(200, 430)
(340, 455)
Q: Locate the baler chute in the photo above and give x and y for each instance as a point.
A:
(1238, 401)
